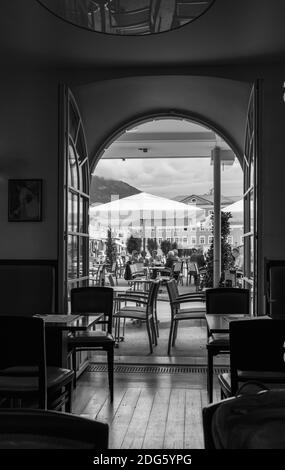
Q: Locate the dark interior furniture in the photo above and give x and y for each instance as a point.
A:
(274, 279)
(42, 429)
(28, 287)
(88, 301)
(222, 301)
(196, 312)
(142, 309)
(24, 375)
(130, 21)
(256, 353)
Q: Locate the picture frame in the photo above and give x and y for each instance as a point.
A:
(25, 200)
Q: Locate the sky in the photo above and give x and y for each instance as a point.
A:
(172, 177)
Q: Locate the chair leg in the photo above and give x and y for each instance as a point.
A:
(149, 335)
(110, 359)
(170, 337)
(68, 405)
(153, 327)
(210, 376)
(175, 333)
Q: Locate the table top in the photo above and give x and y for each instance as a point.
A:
(70, 322)
(220, 323)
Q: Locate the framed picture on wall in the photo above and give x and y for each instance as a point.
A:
(25, 200)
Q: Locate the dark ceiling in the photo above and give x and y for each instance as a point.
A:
(231, 32)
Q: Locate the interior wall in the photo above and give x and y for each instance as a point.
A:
(29, 149)
(271, 193)
(29, 143)
(107, 105)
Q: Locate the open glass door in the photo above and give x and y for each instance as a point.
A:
(76, 199)
(249, 198)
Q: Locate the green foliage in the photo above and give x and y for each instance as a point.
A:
(134, 243)
(226, 252)
(165, 246)
(111, 247)
(151, 244)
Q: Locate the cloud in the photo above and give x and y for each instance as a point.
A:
(172, 177)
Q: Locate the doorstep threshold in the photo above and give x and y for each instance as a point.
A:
(159, 360)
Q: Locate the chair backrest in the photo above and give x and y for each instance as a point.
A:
(22, 344)
(42, 429)
(152, 295)
(172, 290)
(177, 266)
(227, 300)
(97, 299)
(193, 267)
(274, 287)
(256, 345)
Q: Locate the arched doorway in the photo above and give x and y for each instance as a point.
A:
(156, 141)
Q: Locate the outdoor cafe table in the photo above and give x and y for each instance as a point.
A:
(57, 328)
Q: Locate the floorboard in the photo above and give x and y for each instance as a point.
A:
(150, 411)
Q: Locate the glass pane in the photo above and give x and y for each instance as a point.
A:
(251, 211)
(251, 273)
(81, 256)
(81, 215)
(72, 212)
(72, 260)
(80, 178)
(73, 173)
(251, 174)
(80, 146)
(85, 177)
(73, 122)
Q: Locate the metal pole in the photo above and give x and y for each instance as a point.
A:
(217, 216)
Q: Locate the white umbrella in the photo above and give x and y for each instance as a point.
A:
(236, 209)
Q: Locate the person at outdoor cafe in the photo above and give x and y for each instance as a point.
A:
(238, 263)
(154, 260)
(133, 259)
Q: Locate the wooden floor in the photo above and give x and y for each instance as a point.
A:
(162, 411)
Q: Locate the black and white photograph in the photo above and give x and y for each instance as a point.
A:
(25, 200)
(142, 253)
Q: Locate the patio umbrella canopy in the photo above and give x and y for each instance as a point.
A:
(147, 207)
(236, 209)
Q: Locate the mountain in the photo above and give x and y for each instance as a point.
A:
(102, 189)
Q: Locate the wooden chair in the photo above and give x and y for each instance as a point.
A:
(42, 429)
(88, 300)
(256, 354)
(24, 375)
(274, 280)
(222, 300)
(143, 310)
(196, 312)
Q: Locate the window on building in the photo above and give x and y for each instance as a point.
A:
(210, 239)
(184, 240)
(193, 240)
(202, 240)
(230, 240)
(202, 227)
